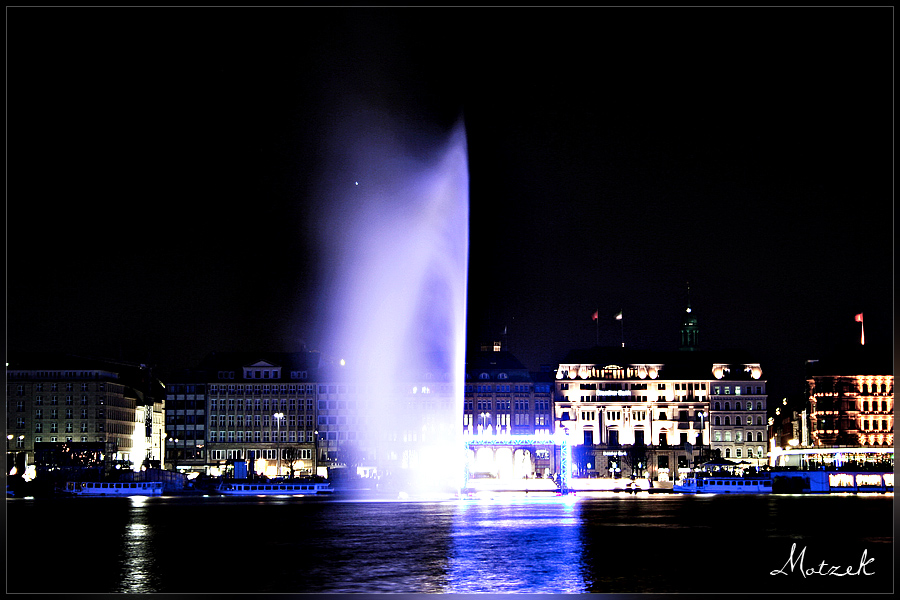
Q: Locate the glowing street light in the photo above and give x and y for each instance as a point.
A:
(278, 417)
(702, 415)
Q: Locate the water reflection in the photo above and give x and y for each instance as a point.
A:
(138, 562)
(515, 545)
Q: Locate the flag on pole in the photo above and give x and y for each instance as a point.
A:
(859, 318)
(596, 315)
(618, 316)
(862, 329)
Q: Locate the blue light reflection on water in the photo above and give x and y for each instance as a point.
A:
(528, 545)
(615, 543)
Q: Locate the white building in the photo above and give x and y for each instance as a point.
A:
(653, 413)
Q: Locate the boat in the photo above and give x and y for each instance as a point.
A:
(273, 488)
(723, 484)
(128, 488)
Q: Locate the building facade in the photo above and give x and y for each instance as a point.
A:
(503, 399)
(851, 399)
(56, 398)
(651, 414)
(258, 409)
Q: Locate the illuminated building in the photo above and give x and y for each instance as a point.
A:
(246, 407)
(61, 398)
(502, 399)
(652, 413)
(851, 399)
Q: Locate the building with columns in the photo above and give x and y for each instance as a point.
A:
(653, 414)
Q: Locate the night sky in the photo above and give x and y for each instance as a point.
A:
(166, 170)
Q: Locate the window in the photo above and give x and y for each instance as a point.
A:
(737, 452)
(749, 406)
(727, 452)
(718, 406)
(728, 420)
(728, 435)
(737, 420)
(718, 421)
(717, 436)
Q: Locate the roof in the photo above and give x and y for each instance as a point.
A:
(674, 364)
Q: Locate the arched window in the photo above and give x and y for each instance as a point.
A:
(737, 420)
(717, 406)
(727, 452)
(737, 452)
(865, 389)
(865, 405)
(502, 376)
(759, 452)
(749, 406)
(759, 436)
(717, 421)
(484, 376)
(727, 406)
(759, 406)
(728, 420)
(759, 420)
(883, 388)
(884, 406)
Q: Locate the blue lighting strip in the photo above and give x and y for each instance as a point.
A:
(562, 441)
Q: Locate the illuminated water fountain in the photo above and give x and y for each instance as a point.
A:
(397, 233)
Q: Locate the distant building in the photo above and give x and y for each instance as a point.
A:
(851, 398)
(651, 413)
(247, 407)
(63, 398)
(502, 398)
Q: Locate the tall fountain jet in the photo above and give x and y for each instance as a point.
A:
(397, 238)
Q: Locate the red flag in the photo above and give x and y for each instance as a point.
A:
(859, 318)
(596, 315)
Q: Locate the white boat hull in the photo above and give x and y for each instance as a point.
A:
(274, 489)
(723, 485)
(136, 488)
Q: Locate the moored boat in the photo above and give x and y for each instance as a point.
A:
(127, 488)
(276, 488)
(723, 484)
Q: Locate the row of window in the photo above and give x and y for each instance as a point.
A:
(884, 405)
(738, 436)
(263, 388)
(717, 390)
(504, 404)
(54, 387)
(884, 424)
(502, 420)
(263, 437)
(737, 406)
(266, 453)
(263, 404)
(54, 401)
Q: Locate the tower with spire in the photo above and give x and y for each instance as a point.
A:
(690, 330)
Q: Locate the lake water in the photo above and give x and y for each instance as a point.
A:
(613, 543)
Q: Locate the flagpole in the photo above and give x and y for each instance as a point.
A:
(598, 324)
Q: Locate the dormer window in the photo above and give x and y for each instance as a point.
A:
(484, 376)
(502, 376)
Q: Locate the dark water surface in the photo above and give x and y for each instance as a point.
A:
(616, 543)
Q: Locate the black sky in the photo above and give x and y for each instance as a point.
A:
(165, 169)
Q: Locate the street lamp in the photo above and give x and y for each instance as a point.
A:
(315, 453)
(278, 416)
(702, 416)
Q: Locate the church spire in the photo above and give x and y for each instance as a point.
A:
(690, 331)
